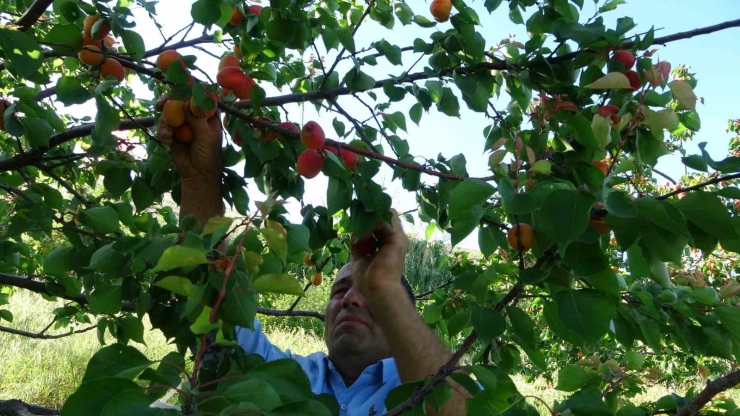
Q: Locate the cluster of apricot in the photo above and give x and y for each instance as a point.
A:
(94, 39)
(237, 16)
(627, 59)
(173, 111)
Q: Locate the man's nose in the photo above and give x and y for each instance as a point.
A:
(353, 297)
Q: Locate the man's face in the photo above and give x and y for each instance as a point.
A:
(350, 328)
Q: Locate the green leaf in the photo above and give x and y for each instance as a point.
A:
(525, 335)
(662, 214)
(91, 398)
(448, 103)
(287, 378)
(278, 283)
(6, 314)
(339, 194)
(683, 93)
(102, 220)
(240, 306)
(415, 113)
(37, 131)
(180, 256)
(133, 328)
(635, 360)
(21, 51)
(134, 44)
(465, 223)
(564, 216)
(115, 360)
(70, 91)
(130, 402)
(357, 80)
(59, 261)
(206, 12)
(695, 162)
(488, 323)
(106, 299)
(574, 377)
(487, 240)
(582, 131)
(730, 318)
(176, 284)
(610, 81)
(468, 193)
(651, 332)
(587, 312)
(346, 39)
(202, 324)
(276, 242)
(107, 260)
(707, 212)
(587, 403)
(254, 391)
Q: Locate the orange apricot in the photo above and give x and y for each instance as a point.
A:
(91, 56)
(521, 235)
(174, 113)
(111, 67)
(316, 279)
(440, 10)
(201, 113)
(236, 17)
(312, 135)
(183, 133)
(231, 78)
(166, 58)
(227, 61)
(309, 163)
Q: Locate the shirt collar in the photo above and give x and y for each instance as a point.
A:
(386, 367)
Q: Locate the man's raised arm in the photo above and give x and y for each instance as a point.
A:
(417, 350)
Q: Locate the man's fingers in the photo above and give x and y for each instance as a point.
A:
(164, 132)
(162, 100)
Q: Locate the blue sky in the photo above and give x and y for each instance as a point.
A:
(713, 57)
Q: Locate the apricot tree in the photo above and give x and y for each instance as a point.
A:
(575, 235)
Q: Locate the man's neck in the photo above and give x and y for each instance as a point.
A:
(350, 367)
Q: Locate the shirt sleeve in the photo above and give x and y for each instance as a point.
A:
(256, 342)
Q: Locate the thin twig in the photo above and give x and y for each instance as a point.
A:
(66, 186)
(665, 176)
(700, 185)
(41, 335)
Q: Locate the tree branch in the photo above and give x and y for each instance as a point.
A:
(40, 287)
(339, 57)
(41, 335)
(712, 389)
(66, 185)
(18, 408)
(32, 14)
(699, 185)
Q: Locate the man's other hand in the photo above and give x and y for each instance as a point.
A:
(386, 265)
(200, 160)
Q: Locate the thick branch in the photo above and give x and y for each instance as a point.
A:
(661, 40)
(44, 336)
(32, 15)
(712, 389)
(18, 408)
(40, 287)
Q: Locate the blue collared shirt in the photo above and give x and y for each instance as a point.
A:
(366, 396)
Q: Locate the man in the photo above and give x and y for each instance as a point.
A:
(375, 338)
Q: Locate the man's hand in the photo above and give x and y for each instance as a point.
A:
(385, 267)
(199, 163)
(200, 159)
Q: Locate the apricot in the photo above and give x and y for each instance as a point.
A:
(316, 279)
(309, 163)
(257, 10)
(111, 67)
(231, 78)
(290, 126)
(245, 92)
(308, 261)
(183, 133)
(236, 17)
(599, 226)
(603, 167)
(521, 237)
(91, 56)
(607, 110)
(331, 149)
(238, 51)
(364, 246)
(227, 61)
(201, 113)
(109, 41)
(440, 10)
(88, 41)
(626, 58)
(166, 58)
(635, 83)
(312, 135)
(103, 29)
(174, 113)
(349, 158)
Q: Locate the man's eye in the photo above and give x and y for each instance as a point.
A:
(339, 292)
